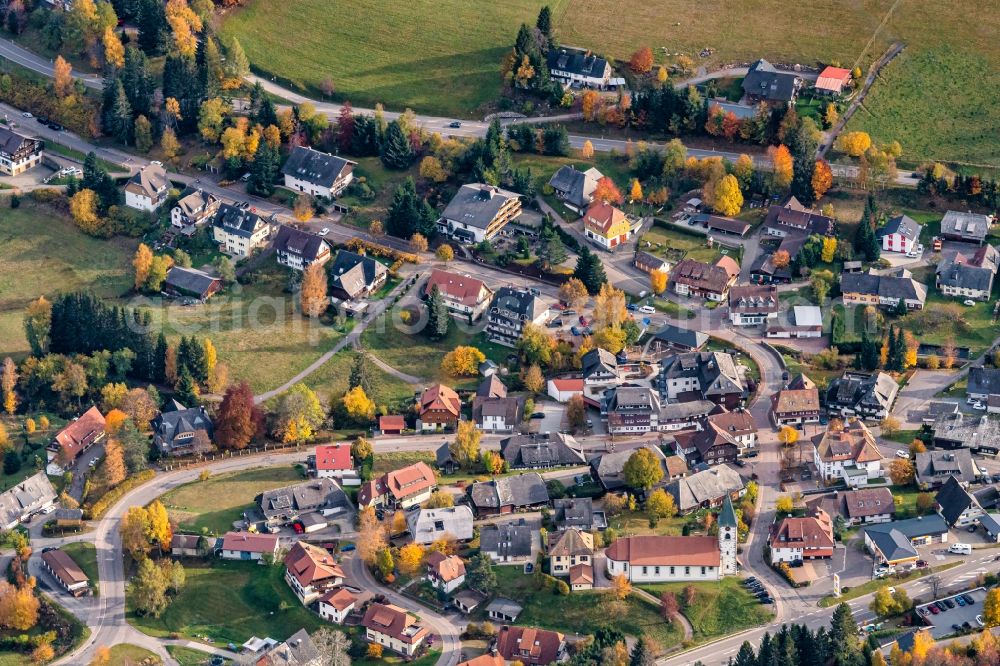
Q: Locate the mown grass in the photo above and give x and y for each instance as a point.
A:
(719, 608)
(126, 654)
(188, 657)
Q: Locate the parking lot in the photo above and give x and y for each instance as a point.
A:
(957, 615)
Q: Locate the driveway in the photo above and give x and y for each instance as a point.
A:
(553, 421)
(911, 403)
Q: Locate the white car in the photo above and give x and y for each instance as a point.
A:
(325, 231)
(979, 621)
(647, 309)
(968, 302)
(156, 163)
(978, 406)
(27, 114)
(903, 453)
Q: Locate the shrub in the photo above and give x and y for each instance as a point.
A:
(100, 507)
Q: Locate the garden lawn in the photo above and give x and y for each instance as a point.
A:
(933, 326)
(675, 244)
(330, 383)
(719, 608)
(229, 602)
(583, 612)
(383, 182)
(126, 654)
(220, 500)
(631, 523)
(188, 657)
(43, 253)
(85, 555)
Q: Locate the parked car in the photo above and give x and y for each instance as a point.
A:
(27, 114)
(56, 126)
(949, 603)
(574, 330)
(347, 547)
(960, 601)
(647, 309)
(903, 453)
(538, 415)
(979, 621)
(454, 124)
(979, 406)
(941, 606)
(324, 231)
(921, 564)
(968, 599)
(568, 312)
(934, 609)
(969, 302)
(631, 307)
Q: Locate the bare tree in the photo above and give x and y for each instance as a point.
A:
(332, 646)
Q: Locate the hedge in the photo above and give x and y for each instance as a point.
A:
(101, 506)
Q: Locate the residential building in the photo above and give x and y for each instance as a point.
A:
(957, 505)
(440, 408)
(510, 311)
(581, 577)
(706, 489)
(180, 430)
(763, 270)
(900, 234)
(147, 189)
(334, 461)
(316, 173)
(509, 493)
(503, 610)
(575, 188)
(391, 424)
(883, 290)
(638, 409)
(356, 275)
(806, 322)
(609, 468)
(650, 263)
(791, 406)
(336, 604)
(969, 277)
(708, 444)
(765, 83)
(531, 646)
(738, 424)
(298, 650)
(478, 212)
(677, 338)
(194, 208)
(659, 559)
(606, 226)
(600, 370)
(991, 525)
(792, 219)
(401, 488)
(491, 387)
(802, 538)
(316, 496)
(248, 546)
(192, 283)
(311, 572)
(578, 68)
(933, 468)
(569, 548)
(489, 659)
(984, 385)
(979, 434)
(711, 281)
(868, 506)
(507, 543)
(77, 436)
(453, 523)
(831, 80)
(561, 390)
(444, 460)
(18, 153)
(444, 572)
(190, 545)
(464, 296)
(392, 627)
(541, 450)
(711, 376)
(722, 225)
(300, 249)
(894, 543)
(67, 573)
(867, 396)
(238, 231)
(849, 453)
(23, 499)
(577, 513)
(965, 227)
(753, 304)
(495, 414)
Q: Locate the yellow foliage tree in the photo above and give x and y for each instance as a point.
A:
(462, 361)
(418, 243)
(62, 77)
(312, 294)
(113, 467)
(184, 23)
(658, 281)
(783, 165)
(611, 338)
(635, 194)
(829, 249)
(783, 504)
(609, 307)
(411, 558)
(371, 535)
(587, 151)
(83, 208)
(573, 293)
(169, 144)
(432, 169)
(141, 263)
(728, 197)
(114, 420)
(159, 525)
(445, 253)
(621, 586)
(854, 144)
(788, 435)
(358, 405)
(661, 74)
(533, 379)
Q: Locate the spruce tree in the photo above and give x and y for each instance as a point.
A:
(263, 170)
(590, 270)
(152, 20)
(361, 373)
(122, 124)
(160, 358)
(524, 44)
(437, 316)
(187, 390)
(745, 656)
(544, 22)
(404, 212)
(641, 656)
(396, 151)
(137, 81)
(365, 139)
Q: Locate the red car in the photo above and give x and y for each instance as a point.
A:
(298, 528)
(934, 609)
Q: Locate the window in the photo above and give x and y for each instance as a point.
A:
(703, 571)
(672, 570)
(656, 570)
(645, 570)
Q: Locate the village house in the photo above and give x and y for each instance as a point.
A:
(541, 450)
(507, 494)
(392, 627)
(608, 469)
(300, 249)
(575, 188)
(311, 571)
(444, 572)
(802, 538)
(336, 604)
(752, 304)
(849, 454)
(579, 68)
(238, 231)
(489, 659)
(569, 548)
(192, 283)
(650, 263)
(510, 311)
(796, 405)
(606, 226)
(638, 409)
(795, 221)
(708, 444)
(677, 338)
(356, 276)
(765, 83)
(864, 395)
(577, 513)
(706, 489)
(957, 505)
(18, 153)
(965, 227)
(317, 173)
(531, 646)
(496, 413)
(66, 572)
(440, 408)
(76, 437)
(464, 296)
(934, 468)
(147, 189)
(189, 545)
(900, 234)
(453, 523)
(180, 430)
(401, 488)
(884, 291)
(22, 500)
(334, 461)
(248, 546)
(311, 499)
(712, 281)
(865, 506)
(479, 212)
(831, 80)
(711, 376)
(806, 321)
(562, 389)
(298, 650)
(600, 370)
(194, 208)
(894, 543)
(738, 424)
(969, 277)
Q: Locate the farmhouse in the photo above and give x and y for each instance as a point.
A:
(509, 493)
(248, 546)
(802, 538)
(394, 628)
(795, 406)
(194, 208)
(317, 173)
(439, 408)
(606, 226)
(883, 290)
(147, 189)
(238, 231)
(712, 281)
(463, 295)
(429, 525)
(402, 488)
(356, 275)
(899, 234)
(531, 646)
(752, 305)
(66, 572)
(334, 461)
(478, 212)
(965, 227)
(865, 395)
(868, 506)
(765, 83)
(534, 451)
(179, 430)
(575, 188)
(191, 282)
(18, 153)
(299, 249)
(510, 311)
(19, 502)
(497, 414)
(79, 435)
(577, 513)
(578, 68)
(709, 444)
(794, 219)
(969, 277)
(711, 376)
(311, 571)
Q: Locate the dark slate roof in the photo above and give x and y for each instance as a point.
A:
(506, 539)
(300, 243)
(598, 360)
(574, 512)
(984, 380)
(11, 141)
(959, 273)
(346, 260)
(491, 387)
(764, 80)
(912, 527)
(190, 280)
(521, 302)
(685, 337)
(952, 500)
(315, 167)
(889, 286)
(443, 456)
(965, 225)
(306, 496)
(903, 225)
(237, 221)
(179, 421)
(859, 283)
(931, 466)
(894, 543)
(522, 490)
(576, 61)
(541, 450)
(476, 204)
(577, 185)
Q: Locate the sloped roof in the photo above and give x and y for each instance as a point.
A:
(491, 387)
(239, 222)
(395, 622)
(300, 243)
(310, 564)
(804, 532)
(853, 442)
(984, 380)
(709, 485)
(247, 542)
(316, 167)
(666, 551)
(506, 539)
(148, 181)
(340, 598)
(685, 337)
(542, 450)
(765, 80)
(443, 397)
(601, 217)
(833, 79)
(81, 433)
(904, 225)
(445, 567)
(410, 480)
(462, 288)
(957, 463)
(191, 280)
(538, 646)
(867, 502)
(522, 490)
(169, 425)
(333, 457)
(953, 499)
(428, 525)
(11, 141)
(569, 543)
(477, 204)
(577, 186)
(790, 400)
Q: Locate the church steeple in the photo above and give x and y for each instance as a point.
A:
(727, 517)
(728, 537)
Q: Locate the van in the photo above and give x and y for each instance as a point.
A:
(960, 549)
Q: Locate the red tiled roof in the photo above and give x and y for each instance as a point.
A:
(441, 397)
(410, 480)
(602, 216)
(485, 660)
(333, 457)
(581, 574)
(568, 384)
(309, 564)
(461, 288)
(698, 551)
(808, 532)
(393, 621)
(81, 433)
(391, 422)
(445, 567)
(528, 644)
(833, 78)
(246, 542)
(339, 598)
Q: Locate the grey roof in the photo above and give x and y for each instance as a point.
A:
(194, 202)
(764, 80)
(972, 431)
(316, 167)
(965, 225)
(429, 525)
(508, 408)
(912, 528)
(716, 371)
(952, 500)
(984, 380)
(576, 186)
(884, 286)
(961, 275)
(647, 259)
(609, 467)
(11, 141)
(869, 391)
(505, 607)
(753, 298)
(541, 450)
(988, 497)
(903, 225)
(577, 61)
(491, 387)
(298, 650)
(520, 303)
(574, 512)
(707, 486)
(991, 522)
(68, 514)
(933, 466)
(300, 243)
(598, 360)
(236, 221)
(741, 111)
(518, 491)
(149, 180)
(476, 204)
(190, 280)
(893, 543)
(347, 260)
(178, 423)
(25, 498)
(443, 456)
(506, 539)
(302, 497)
(685, 337)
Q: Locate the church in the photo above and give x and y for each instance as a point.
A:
(662, 559)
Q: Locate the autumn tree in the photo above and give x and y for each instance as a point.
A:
(361, 450)
(658, 281)
(822, 178)
(642, 60)
(298, 415)
(882, 604)
(18, 606)
(991, 608)
(113, 468)
(890, 426)
(607, 191)
(62, 77)
(169, 144)
(534, 381)
(660, 504)
(573, 293)
(788, 435)
(642, 470)
(464, 448)
(784, 504)
(621, 586)
(114, 51)
(781, 259)
(901, 472)
(411, 558)
(576, 411)
(462, 361)
(445, 253)
(141, 263)
(313, 291)
(8, 383)
(83, 208)
(371, 535)
(149, 589)
(160, 530)
(418, 243)
(782, 165)
(587, 151)
(728, 198)
(135, 530)
(439, 500)
(669, 607)
(854, 144)
(359, 407)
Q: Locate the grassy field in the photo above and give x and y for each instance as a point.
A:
(330, 382)
(188, 657)
(718, 609)
(43, 253)
(583, 612)
(218, 501)
(229, 602)
(674, 244)
(85, 555)
(126, 654)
